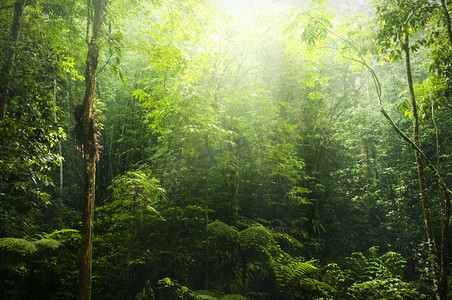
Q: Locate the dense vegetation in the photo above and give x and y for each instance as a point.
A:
(293, 150)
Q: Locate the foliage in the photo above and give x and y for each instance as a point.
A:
(36, 261)
(264, 122)
(211, 295)
(380, 277)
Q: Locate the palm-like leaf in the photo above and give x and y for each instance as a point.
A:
(222, 229)
(284, 238)
(254, 236)
(212, 295)
(293, 273)
(223, 234)
(297, 278)
(47, 243)
(18, 244)
(233, 297)
(205, 295)
(29, 245)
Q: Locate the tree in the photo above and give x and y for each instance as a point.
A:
(29, 130)
(86, 140)
(399, 21)
(7, 65)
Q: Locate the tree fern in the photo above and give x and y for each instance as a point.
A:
(212, 295)
(48, 243)
(297, 278)
(205, 295)
(299, 270)
(233, 297)
(224, 240)
(18, 244)
(286, 239)
(293, 274)
(29, 245)
(223, 231)
(255, 236)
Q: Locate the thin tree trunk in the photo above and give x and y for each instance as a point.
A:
(421, 177)
(89, 150)
(440, 282)
(447, 16)
(446, 220)
(6, 72)
(60, 152)
(235, 197)
(444, 247)
(206, 208)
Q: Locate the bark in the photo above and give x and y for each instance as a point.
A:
(60, 152)
(89, 153)
(447, 16)
(440, 279)
(421, 177)
(206, 208)
(7, 69)
(444, 247)
(447, 193)
(235, 197)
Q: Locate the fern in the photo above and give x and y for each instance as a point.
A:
(293, 273)
(314, 285)
(205, 295)
(30, 245)
(299, 270)
(223, 230)
(296, 278)
(284, 238)
(18, 244)
(233, 297)
(255, 236)
(59, 232)
(212, 295)
(48, 243)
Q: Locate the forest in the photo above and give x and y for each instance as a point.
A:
(225, 149)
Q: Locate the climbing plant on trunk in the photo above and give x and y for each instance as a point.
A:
(399, 19)
(86, 140)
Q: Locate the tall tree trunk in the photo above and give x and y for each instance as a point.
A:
(447, 193)
(421, 177)
(444, 247)
(235, 197)
(88, 145)
(60, 151)
(206, 208)
(447, 16)
(6, 71)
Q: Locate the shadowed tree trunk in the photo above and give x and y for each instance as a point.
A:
(447, 17)
(7, 68)
(421, 178)
(88, 147)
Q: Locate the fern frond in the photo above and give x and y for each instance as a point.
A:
(254, 236)
(205, 295)
(233, 297)
(287, 239)
(223, 229)
(18, 244)
(218, 286)
(292, 274)
(314, 285)
(48, 243)
(58, 232)
(300, 270)
(223, 232)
